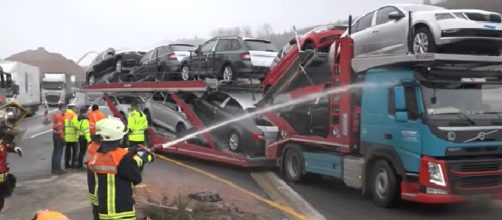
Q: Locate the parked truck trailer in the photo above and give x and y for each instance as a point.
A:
(27, 78)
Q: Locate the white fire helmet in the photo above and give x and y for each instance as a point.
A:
(110, 129)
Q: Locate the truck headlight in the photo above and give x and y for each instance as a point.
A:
(436, 174)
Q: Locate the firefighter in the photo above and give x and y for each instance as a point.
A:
(137, 124)
(95, 116)
(84, 137)
(58, 140)
(7, 180)
(112, 172)
(70, 136)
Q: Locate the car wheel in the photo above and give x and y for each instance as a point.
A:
(422, 41)
(180, 130)
(91, 80)
(185, 73)
(294, 163)
(118, 66)
(384, 185)
(308, 46)
(234, 141)
(228, 73)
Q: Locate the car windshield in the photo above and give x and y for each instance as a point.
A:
(128, 100)
(183, 47)
(260, 45)
(415, 8)
(52, 85)
(444, 98)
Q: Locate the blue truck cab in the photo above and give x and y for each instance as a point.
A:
(440, 131)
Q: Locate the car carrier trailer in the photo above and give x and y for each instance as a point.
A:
(387, 137)
(211, 151)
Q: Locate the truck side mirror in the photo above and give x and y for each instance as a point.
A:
(401, 114)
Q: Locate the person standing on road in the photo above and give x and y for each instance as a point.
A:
(137, 124)
(95, 116)
(7, 180)
(112, 172)
(58, 140)
(70, 136)
(84, 137)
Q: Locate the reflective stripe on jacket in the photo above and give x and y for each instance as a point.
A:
(137, 123)
(70, 126)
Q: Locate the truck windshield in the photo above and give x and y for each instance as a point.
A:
(463, 99)
(52, 85)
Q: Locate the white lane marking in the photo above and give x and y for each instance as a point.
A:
(40, 133)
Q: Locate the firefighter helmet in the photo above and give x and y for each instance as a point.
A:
(110, 129)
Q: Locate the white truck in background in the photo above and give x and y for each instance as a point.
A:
(27, 78)
(57, 88)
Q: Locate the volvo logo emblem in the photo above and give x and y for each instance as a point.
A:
(481, 136)
(451, 136)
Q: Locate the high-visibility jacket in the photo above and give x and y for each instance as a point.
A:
(4, 168)
(58, 124)
(94, 117)
(70, 126)
(113, 174)
(137, 123)
(84, 129)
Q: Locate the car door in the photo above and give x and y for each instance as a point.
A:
(152, 62)
(170, 114)
(220, 55)
(206, 57)
(140, 71)
(391, 32)
(155, 105)
(98, 65)
(362, 34)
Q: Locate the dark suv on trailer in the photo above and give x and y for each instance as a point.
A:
(161, 63)
(229, 58)
(111, 64)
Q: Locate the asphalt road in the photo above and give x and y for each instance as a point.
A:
(335, 201)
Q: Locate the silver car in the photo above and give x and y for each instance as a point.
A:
(434, 29)
(161, 110)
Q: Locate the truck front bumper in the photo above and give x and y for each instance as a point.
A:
(411, 192)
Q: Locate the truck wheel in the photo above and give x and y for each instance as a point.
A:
(294, 163)
(422, 41)
(384, 185)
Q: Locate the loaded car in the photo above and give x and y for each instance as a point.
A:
(229, 58)
(122, 103)
(111, 65)
(161, 110)
(320, 38)
(247, 136)
(161, 63)
(434, 29)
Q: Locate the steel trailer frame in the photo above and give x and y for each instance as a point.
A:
(211, 153)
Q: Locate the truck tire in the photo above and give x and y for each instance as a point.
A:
(293, 163)
(384, 185)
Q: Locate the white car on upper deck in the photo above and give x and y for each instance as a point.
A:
(435, 29)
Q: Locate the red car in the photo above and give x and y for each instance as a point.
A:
(319, 38)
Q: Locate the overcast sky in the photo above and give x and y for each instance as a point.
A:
(75, 27)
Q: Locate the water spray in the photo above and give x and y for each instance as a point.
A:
(267, 109)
